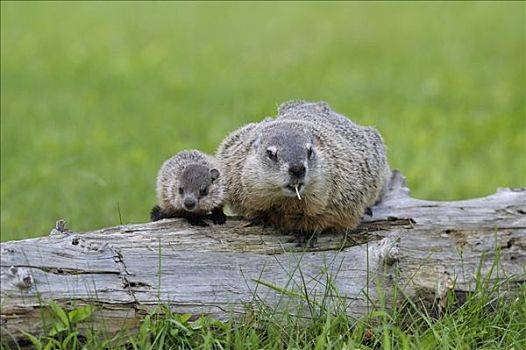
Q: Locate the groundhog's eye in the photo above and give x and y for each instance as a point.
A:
(203, 192)
(181, 191)
(272, 154)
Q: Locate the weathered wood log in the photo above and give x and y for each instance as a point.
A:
(220, 270)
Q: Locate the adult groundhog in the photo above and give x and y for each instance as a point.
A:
(189, 185)
(307, 171)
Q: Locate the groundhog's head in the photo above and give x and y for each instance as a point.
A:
(198, 188)
(284, 160)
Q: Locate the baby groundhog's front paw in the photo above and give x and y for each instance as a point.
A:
(195, 219)
(197, 222)
(217, 216)
(157, 214)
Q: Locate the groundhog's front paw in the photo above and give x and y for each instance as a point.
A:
(306, 238)
(218, 217)
(260, 221)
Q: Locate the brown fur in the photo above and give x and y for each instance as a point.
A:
(345, 175)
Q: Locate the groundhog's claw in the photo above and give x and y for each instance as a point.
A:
(304, 238)
(156, 214)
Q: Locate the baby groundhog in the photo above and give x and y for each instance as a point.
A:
(307, 171)
(189, 186)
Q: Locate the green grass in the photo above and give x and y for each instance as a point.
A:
(96, 95)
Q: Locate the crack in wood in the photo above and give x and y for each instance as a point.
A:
(126, 284)
(67, 271)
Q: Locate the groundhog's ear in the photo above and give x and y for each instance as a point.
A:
(316, 140)
(214, 173)
(322, 107)
(289, 105)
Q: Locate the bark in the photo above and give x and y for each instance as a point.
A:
(425, 248)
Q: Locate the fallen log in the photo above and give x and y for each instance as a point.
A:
(424, 247)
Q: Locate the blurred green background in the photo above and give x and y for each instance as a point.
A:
(95, 96)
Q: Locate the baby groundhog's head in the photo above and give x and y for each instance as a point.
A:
(284, 160)
(197, 190)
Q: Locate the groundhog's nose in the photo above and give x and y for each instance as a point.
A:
(189, 203)
(297, 170)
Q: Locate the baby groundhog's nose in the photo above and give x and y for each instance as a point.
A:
(189, 203)
(297, 170)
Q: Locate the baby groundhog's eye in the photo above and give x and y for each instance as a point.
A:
(181, 191)
(272, 154)
(203, 192)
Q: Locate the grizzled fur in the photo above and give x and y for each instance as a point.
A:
(190, 185)
(338, 168)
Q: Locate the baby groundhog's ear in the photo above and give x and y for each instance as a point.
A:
(214, 173)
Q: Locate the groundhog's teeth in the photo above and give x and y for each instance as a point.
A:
(297, 192)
